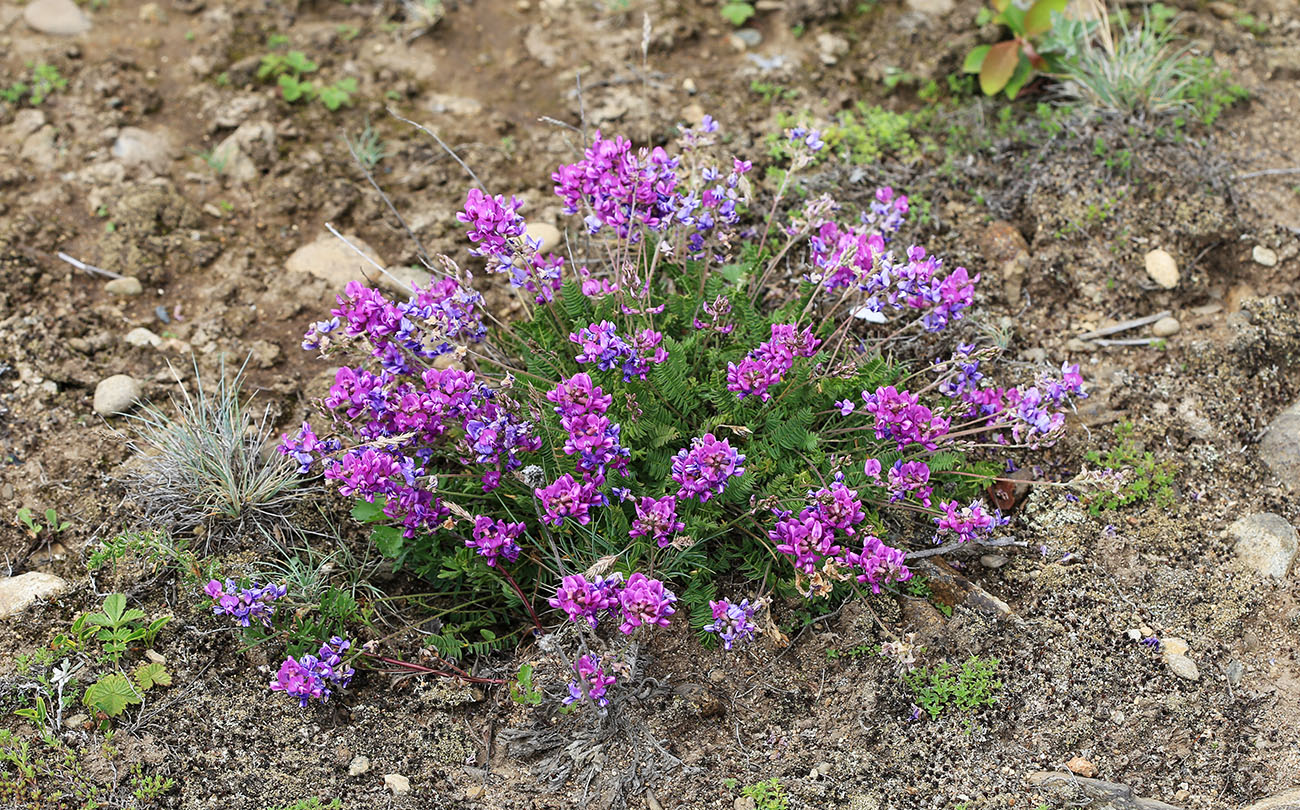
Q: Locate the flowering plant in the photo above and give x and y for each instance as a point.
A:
(662, 425)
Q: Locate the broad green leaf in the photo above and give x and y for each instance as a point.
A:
(1013, 18)
(367, 512)
(1023, 71)
(737, 13)
(111, 694)
(975, 58)
(388, 539)
(999, 65)
(114, 605)
(152, 674)
(1000, 5)
(1039, 17)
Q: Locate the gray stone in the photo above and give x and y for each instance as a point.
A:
(993, 560)
(21, 592)
(1280, 446)
(116, 394)
(330, 259)
(1266, 543)
(932, 8)
(140, 148)
(1162, 269)
(1173, 651)
(1286, 800)
(1094, 793)
(548, 235)
(26, 122)
(360, 764)
(57, 17)
(1166, 327)
(454, 105)
(143, 337)
(1264, 256)
(748, 37)
(830, 47)
(125, 286)
(397, 783)
(243, 153)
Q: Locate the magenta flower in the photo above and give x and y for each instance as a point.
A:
(703, 470)
(879, 564)
(731, 621)
(657, 519)
(645, 601)
(592, 676)
(495, 538)
(568, 499)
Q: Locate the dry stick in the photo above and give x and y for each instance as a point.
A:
(424, 255)
(89, 268)
(997, 542)
(1124, 326)
(1267, 173)
(1129, 342)
(445, 147)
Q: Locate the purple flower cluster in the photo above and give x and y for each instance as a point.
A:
(619, 189)
(732, 621)
(428, 324)
(569, 499)
(401, 417)
(592, 437)
(878, 564)
(245, 605)
(968, 523)
(812, 538)
(657, 519)
(900, 416)
(638, 601)
(767, 365)
(910, 477)
(1033, 415)
(499, 233)
(305, 447)
(312, 676)
(591, 675)
(702, 471)
(494, 539)
(602, 345)
(580, 599)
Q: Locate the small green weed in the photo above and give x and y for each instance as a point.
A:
(290, 69)
(736, 13)
(309, 804)
(767, 795)
(149, 788)
(52, 523)
(115, 626)
(772, 92)
(522, 690)
(43, 81)
(1144, 479)
(946, 688)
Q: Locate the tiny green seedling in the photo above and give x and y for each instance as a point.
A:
(522, 690)
(34, 529)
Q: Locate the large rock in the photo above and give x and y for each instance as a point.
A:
(1094, 793)
(116, 394)
(1266, 543)
(1280, 446)
(58, 17)
(21, 592)
(329, 259)
(1287, 800)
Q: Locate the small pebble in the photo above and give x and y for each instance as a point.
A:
(143, 337)
(1165, 327)
(1162, 269)
(161, 312)
(688, 85)
(125, 286)
(746, 38)
(993, 560)
(116, 394)
(717, 676)
(397, 783)
(359, 765)
(1082, 767)
(1264, 256)
(548, 235)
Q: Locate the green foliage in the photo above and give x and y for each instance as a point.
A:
(115, 626)
(43, 81)
(149, 788)
(1008, 65)
(368, 148)
(1145, 71)
(736, 13)
(152, 674)
(1144, 478)
(772, 92)
(767, 795)
(111, 694)
(862, 135)
(313, 803)
(946, 688)
(45, 773)
(52, 523)
(522, 690)
(289, 71)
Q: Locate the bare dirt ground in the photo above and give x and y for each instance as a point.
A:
(209, 242)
